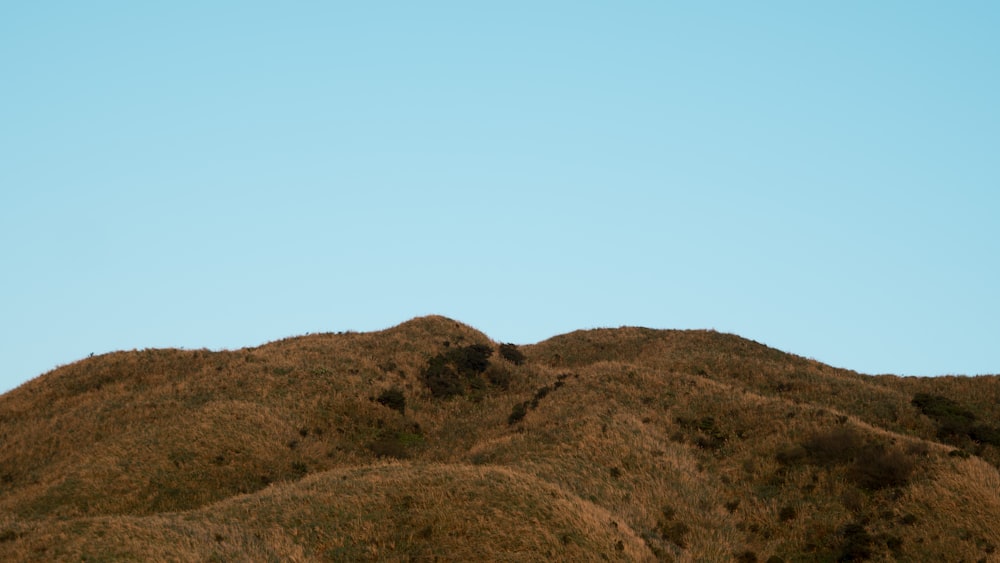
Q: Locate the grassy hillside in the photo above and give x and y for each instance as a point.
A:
(428, 441)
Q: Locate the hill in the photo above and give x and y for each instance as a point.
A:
(429, 441)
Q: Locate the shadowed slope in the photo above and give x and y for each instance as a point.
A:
(395, 511)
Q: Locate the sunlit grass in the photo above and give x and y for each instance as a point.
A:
(626, 444)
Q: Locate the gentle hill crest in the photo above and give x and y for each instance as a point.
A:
(429, 440)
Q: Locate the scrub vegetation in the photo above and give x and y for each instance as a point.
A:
(429, 441)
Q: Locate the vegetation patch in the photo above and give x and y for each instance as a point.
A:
(880, 468)
(868, 465)
(512, 354)
(394, 399)
(457, 370)
(954, 422)
(837, 446)
(706, 432)
(518, 413)
(398, 445)
(855, 543)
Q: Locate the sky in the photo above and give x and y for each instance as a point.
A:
(821, 177)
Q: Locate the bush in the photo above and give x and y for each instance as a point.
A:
(895, 545)
(918, 449)
(396, 444)
(499, 376)
(450, 373)
(511, 353)
(879, 469)
(389, 446)
(786, 513)
(707, 434)
(394, 399)
(542, 392)
(985, 434)
(839, 445)
(675, 533)
(856, 544)
(519, 411)
(472, 359)
(791, 454)
(941, 408)
(442, 379)
(951, 418)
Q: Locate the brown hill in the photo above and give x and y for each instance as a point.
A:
(429, 441)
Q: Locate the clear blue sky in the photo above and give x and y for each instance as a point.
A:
(822, 177)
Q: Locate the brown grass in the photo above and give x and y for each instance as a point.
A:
(635, 444)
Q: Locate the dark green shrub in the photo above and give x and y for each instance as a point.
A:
(511, 353)
(878, 469)
(499, 376)
(856, 543)
(986, 546)
(450, 373)
(951, 418)
(786, 513)
(470, 359)
(791, 454)
(517, 413)
(839, 445)
(853, 500)
(985, 434)
(442, 379)
(397, 444)
(918, 449)
(542, 392)
(389, 446)
(476, 382)
(707, 434)
(712, 436)
(938, 407)
(394, 399)
(675, 533)
(895, 545)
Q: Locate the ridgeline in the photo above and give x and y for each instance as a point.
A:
(429, 441)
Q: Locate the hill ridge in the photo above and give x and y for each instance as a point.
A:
(680, 445)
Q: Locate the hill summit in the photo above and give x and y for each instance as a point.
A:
(430, 441)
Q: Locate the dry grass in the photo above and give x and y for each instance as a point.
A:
(634, 445)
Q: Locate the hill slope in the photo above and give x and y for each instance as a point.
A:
(430, 441)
